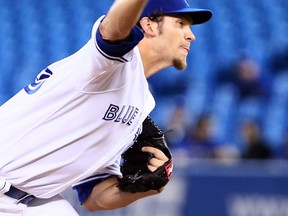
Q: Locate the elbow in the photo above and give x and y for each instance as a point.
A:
(93, 206)
(89, 207)
(97, 206)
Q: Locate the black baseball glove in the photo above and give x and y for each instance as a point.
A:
(134, 167)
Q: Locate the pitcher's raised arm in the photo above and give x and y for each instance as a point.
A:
(120, 19)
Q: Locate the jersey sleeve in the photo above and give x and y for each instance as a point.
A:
(84, 188)
(118, 49)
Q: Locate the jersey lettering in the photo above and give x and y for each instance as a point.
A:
(125, 116)
(40, 79)
(137, 134)
(111, 112)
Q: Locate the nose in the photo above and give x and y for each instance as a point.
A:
(190, 35)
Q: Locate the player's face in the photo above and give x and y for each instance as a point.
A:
(175, 37)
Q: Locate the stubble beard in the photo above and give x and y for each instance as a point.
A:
(179, 64)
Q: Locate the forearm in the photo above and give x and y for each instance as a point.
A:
(106, 196)
(120, 19)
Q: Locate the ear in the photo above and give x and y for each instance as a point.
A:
(149, 27)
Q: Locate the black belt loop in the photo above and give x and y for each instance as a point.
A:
(20, 195)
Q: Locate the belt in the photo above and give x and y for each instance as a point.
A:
(20, 195)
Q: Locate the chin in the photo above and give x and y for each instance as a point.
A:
(179, 64)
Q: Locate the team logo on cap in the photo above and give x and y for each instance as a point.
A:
(40, 79)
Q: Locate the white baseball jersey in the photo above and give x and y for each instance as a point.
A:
(81, 113)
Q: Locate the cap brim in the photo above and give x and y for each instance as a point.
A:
(198, 16)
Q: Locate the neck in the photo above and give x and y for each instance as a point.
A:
(152, 61)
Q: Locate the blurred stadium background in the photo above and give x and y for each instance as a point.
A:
(36, 33)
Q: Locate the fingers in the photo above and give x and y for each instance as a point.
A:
(158, 160)
(154, 164)
(156, 152)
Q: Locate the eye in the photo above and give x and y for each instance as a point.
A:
(180, 23)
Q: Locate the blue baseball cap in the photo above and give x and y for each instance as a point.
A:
(167, 7)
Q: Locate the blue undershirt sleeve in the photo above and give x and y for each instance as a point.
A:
(120, 48)
(85, 187)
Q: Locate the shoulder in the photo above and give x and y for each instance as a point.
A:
(115, 49)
